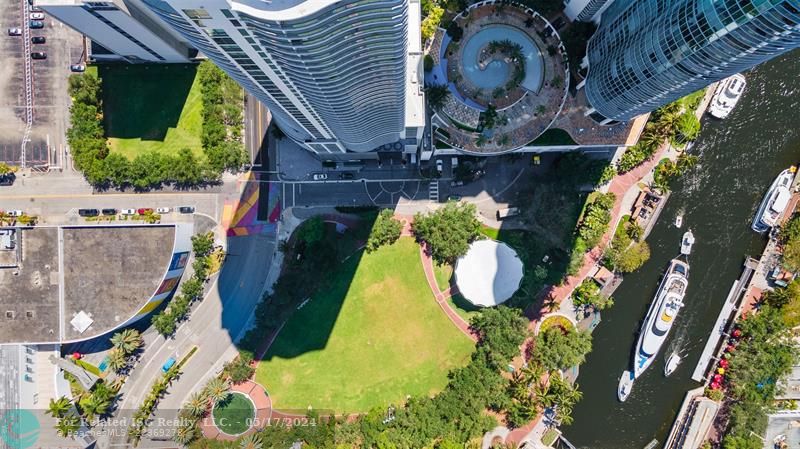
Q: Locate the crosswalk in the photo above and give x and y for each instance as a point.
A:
(433, 191)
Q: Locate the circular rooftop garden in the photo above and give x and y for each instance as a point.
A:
(498, 79)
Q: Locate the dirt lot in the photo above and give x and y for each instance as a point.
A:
(50, 99)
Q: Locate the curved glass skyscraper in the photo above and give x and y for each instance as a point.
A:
(648, 53)
(337, 75)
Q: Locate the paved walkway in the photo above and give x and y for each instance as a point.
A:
(441, 296)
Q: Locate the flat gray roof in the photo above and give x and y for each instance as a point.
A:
(108, 273)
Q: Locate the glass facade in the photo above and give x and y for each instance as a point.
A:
(335, 75)
(648, 53)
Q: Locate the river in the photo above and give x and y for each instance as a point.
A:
(739, 158)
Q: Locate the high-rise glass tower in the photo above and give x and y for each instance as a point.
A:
(648, 53)
(337, 76)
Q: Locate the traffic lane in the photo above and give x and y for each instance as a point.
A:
(60, 209)
(209, 326)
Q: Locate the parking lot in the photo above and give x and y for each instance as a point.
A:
(50, 100)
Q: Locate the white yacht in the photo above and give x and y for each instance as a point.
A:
(774, 202)
(672, 364)
(662, 314)
(625, 385)
(686, 242)
(727, 94)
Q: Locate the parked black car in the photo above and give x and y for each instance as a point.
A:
(38, 40)
(186, 209)
(7, 179)
(36, 24)
(38, 55)
(88, 212)
(109, 211)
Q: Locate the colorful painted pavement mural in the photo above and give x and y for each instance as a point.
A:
(242, 217)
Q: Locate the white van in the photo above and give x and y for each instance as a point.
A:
(505, 213)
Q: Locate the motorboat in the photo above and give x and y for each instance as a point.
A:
(661, 316)
(679, 221)
(672, 364)
(775, 201)
(625, 385)
(727, 95)
(686, 242)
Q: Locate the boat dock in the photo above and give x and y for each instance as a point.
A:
(727, 316)
(694, 420)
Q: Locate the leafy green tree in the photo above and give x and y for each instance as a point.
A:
(192, 288)
(240, 369)
(385, 230)
(587, 294)
(437, 95)
(5, 168)
(312, 230)
(164, 324)
(85, 88)
(127, 341)
(186, 170)
(203, 244)
(790, 239)
(58, 408)
(561, 349)
(448, 230)
(687, 128)
(633, 257)
(500, 331)
(431, 22)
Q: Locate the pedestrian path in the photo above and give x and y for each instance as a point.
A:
(263, 410)
(241, 217)
(441, 296)
(433, 191)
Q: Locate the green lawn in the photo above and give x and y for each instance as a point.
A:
(443, 273)
(234, 415)
(463, 308)
(152, 107)
(371, 336)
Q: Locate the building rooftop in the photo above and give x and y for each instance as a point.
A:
(68, 279)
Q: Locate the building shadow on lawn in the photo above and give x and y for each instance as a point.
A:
(145, 100)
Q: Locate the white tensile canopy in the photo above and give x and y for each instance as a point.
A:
(489, 273)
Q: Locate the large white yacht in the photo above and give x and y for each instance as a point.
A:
(774, 202)
(727, 94)
(659, 320)
(662, 314)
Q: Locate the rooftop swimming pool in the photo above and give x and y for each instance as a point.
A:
(496, 73)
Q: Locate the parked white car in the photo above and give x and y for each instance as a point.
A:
(128, 212)
(163, 210)
(37, 16)
(319, 177)
(439, 165)
(15, 213)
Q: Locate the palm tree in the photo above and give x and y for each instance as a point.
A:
(58, 408)
(127, 341)
(185, 433)
(437, 95)
(251, 441)
(68, 425)
(217, 390)
(117, 360)
(197, 404)
(94, 405)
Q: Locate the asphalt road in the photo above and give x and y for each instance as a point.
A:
(213, 326)
(256, 119)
